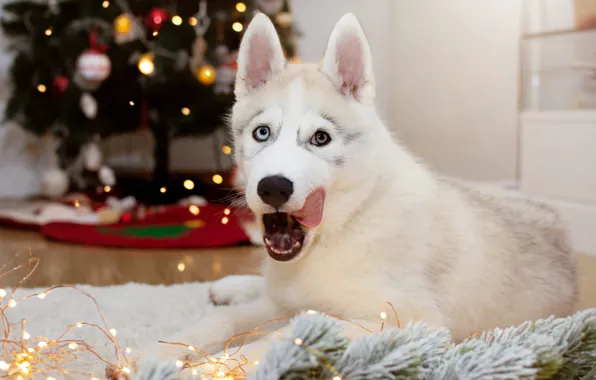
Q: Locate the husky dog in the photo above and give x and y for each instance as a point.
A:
(352, 221)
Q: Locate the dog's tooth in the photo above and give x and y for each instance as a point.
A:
(267, 241)
(296, 244)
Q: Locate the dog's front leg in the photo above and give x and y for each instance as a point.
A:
(237, 289)
(212, 332)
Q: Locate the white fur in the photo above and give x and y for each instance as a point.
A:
(392, 231)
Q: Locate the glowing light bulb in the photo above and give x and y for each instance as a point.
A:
(105, 4)
(41, 88)
(225, 220)
(30, 350)
(177, 20)
(77, 203)
(131, 103)
(191, 348)
(146, 65)
(311, 312)
(181, 267)
(298, 342)
(226, 150)
(221, 374)
(337, 378)
(2, 293)
(42, 344)
(48, 32)
(238, 27)
(4, 366)
(185, 111)
(125, 369)
(113, 332)
(189, 185)
(155, 33)
(194, 372)
(163, 190)
(192, 21)
(79, 325)
(193, 209)
(256, 362)
(107, 189)
(179, 363)
(128, 350)
(26, 335)
(227, 211)
(12, 303)
(217, 179)
(241, 7)
(73, 345)
(383, 315)
(42, 295)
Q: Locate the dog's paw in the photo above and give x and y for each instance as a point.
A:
(232, 290)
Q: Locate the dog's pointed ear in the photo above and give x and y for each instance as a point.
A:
(260, 56)
(348, 60)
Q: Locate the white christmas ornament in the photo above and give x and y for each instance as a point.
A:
(94, 67)
(54, 183)
(271, 7)
(92, 157)
(224, 78)
(88, 105)
(106, 176)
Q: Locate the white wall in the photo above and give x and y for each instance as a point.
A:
(455, 88)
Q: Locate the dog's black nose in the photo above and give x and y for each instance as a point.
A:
(275, 190)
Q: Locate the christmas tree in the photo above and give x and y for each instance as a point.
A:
(88, 69)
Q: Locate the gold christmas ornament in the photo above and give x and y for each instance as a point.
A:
(206, 74)
(123, 24)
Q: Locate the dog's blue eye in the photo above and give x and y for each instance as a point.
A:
(320, 138)
(261, 133)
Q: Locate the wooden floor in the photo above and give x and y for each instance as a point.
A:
(70, 264)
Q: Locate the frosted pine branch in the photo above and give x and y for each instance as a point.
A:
(475, 360)
(407, 353)
(316, 341)
(558, 349)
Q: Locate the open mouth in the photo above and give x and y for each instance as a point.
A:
(284, 236)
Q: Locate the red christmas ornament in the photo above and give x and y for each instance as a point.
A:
(61, 83)
(155, 18)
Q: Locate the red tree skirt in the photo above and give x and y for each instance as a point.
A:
(168, 227)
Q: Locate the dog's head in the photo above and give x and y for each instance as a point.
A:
(300, 131)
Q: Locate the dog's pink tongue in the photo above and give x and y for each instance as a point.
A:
(311, 214)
